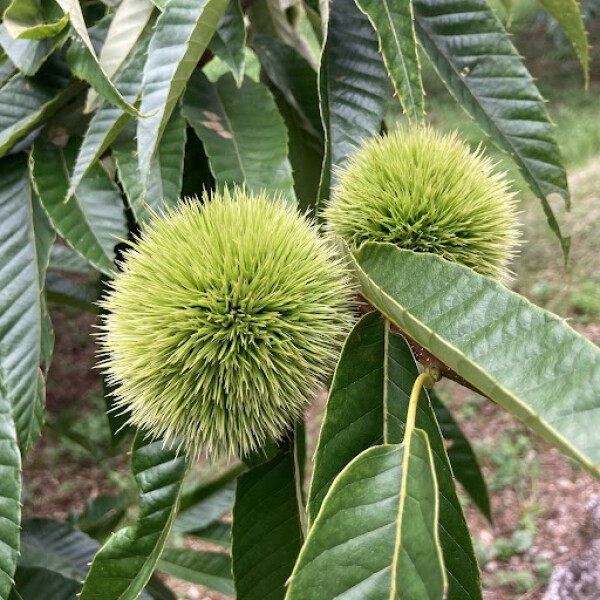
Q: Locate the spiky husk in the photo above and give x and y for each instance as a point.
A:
(225, 318)
(427, 192)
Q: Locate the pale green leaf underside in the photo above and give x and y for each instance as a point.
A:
(243, 133)
(380, 516)
(123, 566)
(473, 54)
(93, 220)
(369, 394)
(181, 35)
(568, 16)
(394, 23)
(522, 357)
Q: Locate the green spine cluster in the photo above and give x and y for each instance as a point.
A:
(225, 318)
(427, 192)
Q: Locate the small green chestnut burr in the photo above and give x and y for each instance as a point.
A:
(225, 318)
(427, 192)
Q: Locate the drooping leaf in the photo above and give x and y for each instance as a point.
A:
(34, 19)
(25, 101)
(462, 457)
(568, 16)
(108, 121)
(10, 475)
(265, 542)
(294, 77)
(210, 569)
(27, 55)
(7, 69)
(101, 515)
(230, 39)
(353, 86)
(125, 31)
(522, 357)
(126, 562)
(181, 36)
(471, 51)
(380, 516)
(394, 23)
(21, 308)
(63, 258)
(377, 369)
(93, 220)
(227, 120)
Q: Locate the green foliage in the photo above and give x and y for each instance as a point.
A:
(253, 327)
(221, 317)
(396, 189)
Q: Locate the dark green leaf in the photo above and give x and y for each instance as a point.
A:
(294, 77)
(353, 86)
(21, 308)
(93, 220)
(226, 119)
(126, 562)
(354, 421)
(394, 23)
(34, 19)
(230, 39)
(462, 457)
(473, 54)
(25, 101)
(522, 357)
(101, 515)
(181, 36)
(266, 533)
(380, 516)
(210, 569)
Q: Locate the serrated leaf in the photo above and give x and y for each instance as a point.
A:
(230, 39)
(166, 173)
(125, 31)
(266, 542)
(20, 302)
(522, 357)
(108, 121)
(27, 55)
(394, 23)
(294, 77)
(465, 465)
(123, 566)
(210, 569)
(26, 101)
(380, 516)
(34, 19)
(93, 221)
(83, 60)
(568, 16)
(10, 492)
(226, 118)
(353, 86)
(471, 51)
(377, 370)
(181, 36)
